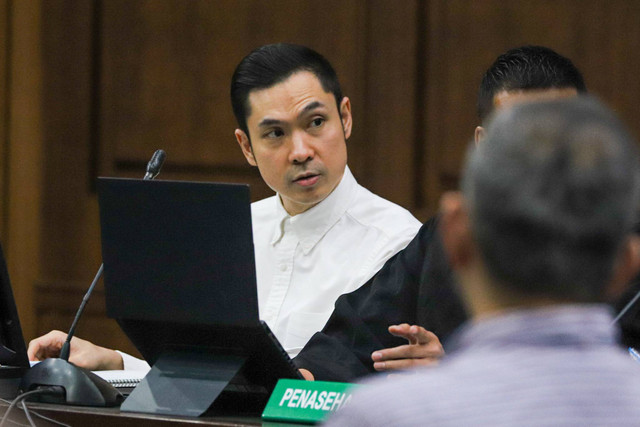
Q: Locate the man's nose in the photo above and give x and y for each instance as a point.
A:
(301, 149)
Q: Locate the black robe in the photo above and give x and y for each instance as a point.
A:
(416, 286)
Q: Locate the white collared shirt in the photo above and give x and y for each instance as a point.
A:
(305, 262)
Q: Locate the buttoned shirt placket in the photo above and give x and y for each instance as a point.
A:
(285, 250)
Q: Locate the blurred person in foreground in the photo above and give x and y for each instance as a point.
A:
(540, 237)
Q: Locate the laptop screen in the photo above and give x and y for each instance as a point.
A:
(178, 251)
(180, 280)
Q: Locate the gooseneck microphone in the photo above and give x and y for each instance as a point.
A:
(82, 387)
(155, 164)
(153, 169)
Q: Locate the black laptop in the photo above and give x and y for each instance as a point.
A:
(180, 280)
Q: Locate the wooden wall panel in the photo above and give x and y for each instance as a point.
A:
(389, 125)
(4, 98)
(70, 230)
(607, 49)
(23, 160)
(71, 252)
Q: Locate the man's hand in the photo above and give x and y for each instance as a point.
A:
(424, 349)
(82, 353)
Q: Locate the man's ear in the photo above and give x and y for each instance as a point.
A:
(455, 230)
(345, 116)
(479, 135)
(245, 146)
(626, 268)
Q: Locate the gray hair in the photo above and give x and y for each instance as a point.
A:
(552, 193)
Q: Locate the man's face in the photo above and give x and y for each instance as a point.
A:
(298, 140)
(505, 99)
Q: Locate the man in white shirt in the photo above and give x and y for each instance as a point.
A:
(323, 234)
(305, 262)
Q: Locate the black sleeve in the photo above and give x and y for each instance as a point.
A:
(399, 293)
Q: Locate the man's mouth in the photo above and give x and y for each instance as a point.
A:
(307, 180)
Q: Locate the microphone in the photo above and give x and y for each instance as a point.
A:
(82, 387)
(155, 164)
(153, 169)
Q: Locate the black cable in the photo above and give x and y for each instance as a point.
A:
(19, 398)
(27, 414)
(626, 308)
(51, 420)
(37, 414)
(7, 403)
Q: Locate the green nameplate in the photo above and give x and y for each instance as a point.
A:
(306, 401)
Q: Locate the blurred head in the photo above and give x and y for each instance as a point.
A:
(293, 122)
(527, 73)
(551, 197)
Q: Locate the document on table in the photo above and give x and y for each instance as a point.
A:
(122, 378)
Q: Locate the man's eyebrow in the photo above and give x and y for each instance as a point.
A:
(309, 107)
(269, 122)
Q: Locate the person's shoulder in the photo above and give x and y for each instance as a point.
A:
(387, 401)
(373, 210)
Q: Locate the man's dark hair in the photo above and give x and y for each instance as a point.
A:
(552, 193)
(527, 68)
(271, 64)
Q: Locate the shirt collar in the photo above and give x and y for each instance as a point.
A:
(570, 325)
(311, 225)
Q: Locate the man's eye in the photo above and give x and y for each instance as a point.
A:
(276, 133)
(317, 122)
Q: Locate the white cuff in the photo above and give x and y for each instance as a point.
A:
(133, 363)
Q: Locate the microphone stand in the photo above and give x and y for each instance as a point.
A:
(81, 386)
(153, 169)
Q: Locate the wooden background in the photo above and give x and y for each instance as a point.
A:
(92, 88)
